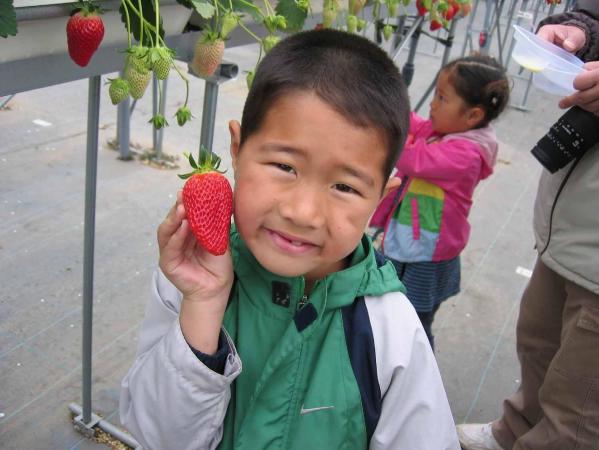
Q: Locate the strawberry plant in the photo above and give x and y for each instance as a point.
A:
(150, 55)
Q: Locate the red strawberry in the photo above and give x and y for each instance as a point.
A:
(465, 9)
(208, 202)
(85, 31)
(421, 8)
(435, 25)
(450, 12)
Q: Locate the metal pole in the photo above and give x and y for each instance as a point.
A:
(158, 107)
(448, 44)
(510, 17)
(123, 116)
(468, 36)
(416, 26)
(155, 108)
(162, 109)
(209, 114)
(484, 39)
(519, 17)
(499, 4)
(93, 122)
(407, 72)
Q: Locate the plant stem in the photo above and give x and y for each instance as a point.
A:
(141, 23)
(186, 80)
(157, 10)
(149, 26)
(126, 9)
(269, 10)
(242, 25)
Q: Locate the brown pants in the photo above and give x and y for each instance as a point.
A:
(557, 404)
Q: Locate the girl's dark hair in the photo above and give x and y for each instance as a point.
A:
(348, 72)
(480, 81)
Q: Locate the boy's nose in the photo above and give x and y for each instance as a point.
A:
(304, 207)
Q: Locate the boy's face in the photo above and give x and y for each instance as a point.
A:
(306, 184)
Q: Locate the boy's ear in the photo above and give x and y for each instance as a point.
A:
(235, 130)
(475, 116)
(393, 183)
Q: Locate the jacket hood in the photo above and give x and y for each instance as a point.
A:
(486, 141)
(362, 277)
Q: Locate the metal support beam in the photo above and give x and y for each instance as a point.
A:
(93, 123)
(226, 71)
(407, 71)
(448, 43)
(158, 107)
(123, 119)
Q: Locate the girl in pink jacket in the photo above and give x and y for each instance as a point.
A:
(425, 221)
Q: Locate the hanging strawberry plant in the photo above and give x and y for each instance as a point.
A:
(147, 52)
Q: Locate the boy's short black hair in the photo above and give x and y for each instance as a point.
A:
(348, 72)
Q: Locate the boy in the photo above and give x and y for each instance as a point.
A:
(333, 354)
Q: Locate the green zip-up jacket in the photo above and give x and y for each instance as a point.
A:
(347, 368)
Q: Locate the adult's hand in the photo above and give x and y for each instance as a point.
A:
(587, 84)
(568, 37)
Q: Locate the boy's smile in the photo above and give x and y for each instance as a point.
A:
(306, 184)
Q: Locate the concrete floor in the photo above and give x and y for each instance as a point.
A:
(41, 250)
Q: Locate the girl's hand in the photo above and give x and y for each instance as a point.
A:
(587, 84)
(569, 37)
(199, 275)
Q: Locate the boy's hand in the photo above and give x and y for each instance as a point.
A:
(587, 84)
(199, 275)
(204, 280)
(569, 37)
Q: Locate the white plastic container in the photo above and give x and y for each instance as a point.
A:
(554, 81)
(554, 68)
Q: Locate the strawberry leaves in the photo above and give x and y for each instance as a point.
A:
(8, 19)
(294, 12)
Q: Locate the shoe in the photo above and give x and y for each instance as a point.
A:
(477, 436)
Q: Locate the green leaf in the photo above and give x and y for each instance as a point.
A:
(204, 9)
(192, 162)
(248, 7)
(150, 16)
(8, 19)
(294, 15)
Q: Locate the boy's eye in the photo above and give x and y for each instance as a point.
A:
(283, 167)
(345, 188)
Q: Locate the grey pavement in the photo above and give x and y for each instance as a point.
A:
(42, 164)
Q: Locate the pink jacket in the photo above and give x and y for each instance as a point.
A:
(440, 174)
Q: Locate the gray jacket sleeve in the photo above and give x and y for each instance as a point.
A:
(415, 412)
(169, 396)
(585, 16)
